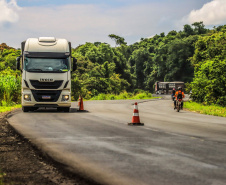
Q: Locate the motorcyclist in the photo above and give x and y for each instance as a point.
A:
(173, 94)
(179, 95)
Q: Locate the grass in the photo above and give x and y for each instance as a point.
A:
(214, 110)
(124, 96)
(1, 177)
(9, 108)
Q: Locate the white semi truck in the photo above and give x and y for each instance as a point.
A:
(46, 65)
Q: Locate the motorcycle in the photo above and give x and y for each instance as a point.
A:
(178, 105)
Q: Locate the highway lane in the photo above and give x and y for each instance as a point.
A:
(171, 148)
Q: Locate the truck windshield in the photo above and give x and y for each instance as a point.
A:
(46, 65)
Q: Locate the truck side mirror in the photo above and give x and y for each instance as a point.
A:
(18, 62)
(74, 64)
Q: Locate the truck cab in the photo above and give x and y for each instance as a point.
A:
(46, 65)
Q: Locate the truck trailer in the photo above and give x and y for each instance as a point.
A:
(46, 65)
(167, 87)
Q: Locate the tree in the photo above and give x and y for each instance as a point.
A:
(139, 61)
(209, 47)
(118, 40)
(172, 33)
(210, 69)
(199, 28)
(209, 83)
(179, 68)
(188, 30)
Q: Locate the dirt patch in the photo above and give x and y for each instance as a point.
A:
(21, 163)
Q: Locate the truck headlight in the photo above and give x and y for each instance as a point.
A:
(65, 97)
(27, 97)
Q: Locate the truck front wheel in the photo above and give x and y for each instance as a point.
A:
(25, 109)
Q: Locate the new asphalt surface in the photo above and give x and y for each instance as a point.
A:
(171, 147)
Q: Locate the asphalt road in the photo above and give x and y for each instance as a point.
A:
(171, 147)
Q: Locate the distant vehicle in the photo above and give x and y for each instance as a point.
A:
(45, 63)
(167, 87)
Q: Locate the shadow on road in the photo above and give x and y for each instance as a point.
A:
(54, 110)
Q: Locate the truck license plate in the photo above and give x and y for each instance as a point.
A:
(46, 97)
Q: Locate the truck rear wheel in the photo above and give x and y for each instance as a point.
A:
(66, 109)
(59, 109)
(63, 109)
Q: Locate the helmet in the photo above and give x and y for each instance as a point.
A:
(179, 88)
(174, 89)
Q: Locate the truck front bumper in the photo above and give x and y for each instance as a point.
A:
(46, 98)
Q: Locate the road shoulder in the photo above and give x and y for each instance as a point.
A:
(22, 163)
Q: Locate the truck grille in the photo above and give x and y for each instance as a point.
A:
(42, 95)
(46, 85)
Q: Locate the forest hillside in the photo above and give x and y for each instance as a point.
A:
(195, 55)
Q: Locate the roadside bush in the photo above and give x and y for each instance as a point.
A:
(100, 97)
(123, 96)
(143, 96)
(209, 83)
(10, 89)
(112, 97)
(210, 69)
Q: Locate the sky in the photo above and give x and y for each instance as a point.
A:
(81, 21)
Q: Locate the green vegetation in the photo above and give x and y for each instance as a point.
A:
(176, 56)
(214, 110)
(209, 84)
(10, 80)
(6, 108)
(9, 88)
(195, 55)
(124, 96)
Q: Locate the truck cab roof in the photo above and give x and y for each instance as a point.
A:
(47, 44)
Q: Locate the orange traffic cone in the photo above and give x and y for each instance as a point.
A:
(136, 118)
(80, 104)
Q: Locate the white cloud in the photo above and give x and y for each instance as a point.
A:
(85, 23)
(8, 11)
(212, 13)
(82, 23)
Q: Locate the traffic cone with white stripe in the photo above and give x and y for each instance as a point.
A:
(136, 118)
(80, 104)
